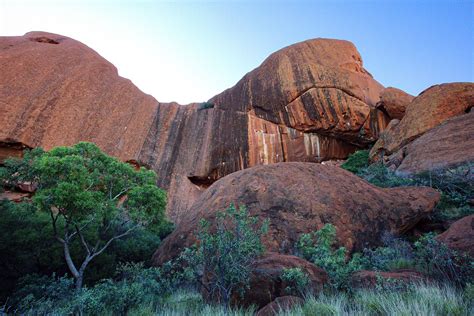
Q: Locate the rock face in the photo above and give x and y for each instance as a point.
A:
(368, 279)
(280, 305)
(266, 283)
(447, 145)
(311, 101)
(56, 91)
(301, 197)
(394, 102)
(431, 108)
(460, 236)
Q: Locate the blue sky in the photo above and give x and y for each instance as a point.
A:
(189, 51)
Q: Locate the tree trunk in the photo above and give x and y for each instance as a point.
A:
(79, 281)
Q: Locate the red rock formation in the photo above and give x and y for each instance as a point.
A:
(280, 305)
(266, 283)
(56, 91)
(432, 107)
(460, 236)
(301, 197)
(369, 279)
(394, 101)
(311, 101)
(447, 145)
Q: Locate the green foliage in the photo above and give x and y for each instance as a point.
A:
(396, 254)
(297, 280)
(442, 263)
(27, 247)
(357, 161)
(414, 300)
(225, 252)
(381, 176)
(318, 247)
(91, 198)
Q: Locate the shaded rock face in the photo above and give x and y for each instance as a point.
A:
(431, 108)
(301, 197)
(394, 101)
(369, 279)
(311, 101)
(266, 283)
(280, 305)
(447, 145)
(56, 91)
(460, 236)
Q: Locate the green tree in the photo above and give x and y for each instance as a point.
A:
(225, 252)
(82, 189)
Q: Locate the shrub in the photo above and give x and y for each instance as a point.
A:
(318, 247)
(396, 254)
(225, 254)
(357, 161)
(297, 281)
(442, 263)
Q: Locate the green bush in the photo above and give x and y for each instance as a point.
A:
(441, 263)
(226, 252)
(318, 247)
(297, 281)
(357, 161)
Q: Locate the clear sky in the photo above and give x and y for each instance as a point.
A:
(189, 51)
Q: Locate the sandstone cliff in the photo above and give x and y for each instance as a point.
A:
(311, 101)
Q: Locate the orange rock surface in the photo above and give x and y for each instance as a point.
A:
(311, 101)
(394, 102)
(299, 198)
(432, 107)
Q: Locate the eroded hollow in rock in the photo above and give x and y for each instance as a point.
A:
(202, 182)
(44, 39)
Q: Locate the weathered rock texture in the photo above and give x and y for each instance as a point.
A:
(394, 102)
(280, 305)
(460, 236)
(311, 101)
(370, 279)
(428, 110)
(301, 197)
(447, 145)
(266, 283)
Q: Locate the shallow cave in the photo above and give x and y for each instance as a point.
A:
(44, 39)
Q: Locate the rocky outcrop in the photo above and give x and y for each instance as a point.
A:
(56, 91)
(299, 198)
(311, 101)
(460, 236)
(370, 279)
(428, 110)
(394, 101)
(448, 145)
(266, 284)
(280, 305)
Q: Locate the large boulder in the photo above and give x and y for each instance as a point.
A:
(448, 145)
(301, 197)
(311, 101)
(266, 283)
(370, 279)
(394, 102)
(280, 305)
(428, 110)
(460, 236)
